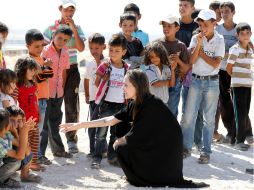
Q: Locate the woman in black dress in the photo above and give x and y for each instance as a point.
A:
(150, 154)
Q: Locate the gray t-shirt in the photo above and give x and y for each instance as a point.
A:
(230, 39)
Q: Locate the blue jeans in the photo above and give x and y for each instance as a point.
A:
(174, 97)
(106, 109)
(42, 108)
(199, 121)
(203, 94)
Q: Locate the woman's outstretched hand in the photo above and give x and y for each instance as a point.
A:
(66, 127)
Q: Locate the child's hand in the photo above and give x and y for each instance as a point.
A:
(174, 58)
(87, 100)
(48, 62)
(251, 46)
(105, 77)
(173, 66)
(29, 124)
(200, 38)
(70, 22)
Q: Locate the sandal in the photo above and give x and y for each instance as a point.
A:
(31, 178)
(62, 154)
(10, 183)
(37, 167)
(204, 159)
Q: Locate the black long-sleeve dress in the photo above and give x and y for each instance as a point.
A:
(153, 153)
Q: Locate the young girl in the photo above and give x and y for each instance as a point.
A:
(26, 69)
(158, 70)
(7, 85)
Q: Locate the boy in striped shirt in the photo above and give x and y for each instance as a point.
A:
(239, 67)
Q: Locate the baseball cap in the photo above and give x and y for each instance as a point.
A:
(206, 15)
(171, 19)
(67, 3)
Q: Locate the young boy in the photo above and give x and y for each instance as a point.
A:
(142, 36)
(14, 153)
(134, 45)
(215, 6)
(207, 50)
(110, 74)
(96, 46)
(76, 44)
(3, 35)
(35, 44)
(227, 29)
(177, 52)
(239, 68)
(58, 53)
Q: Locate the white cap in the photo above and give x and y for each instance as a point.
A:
(206, 15)
(67, 3)
(170, 19)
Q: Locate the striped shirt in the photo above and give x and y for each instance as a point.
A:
(73, 52)
(241, 60)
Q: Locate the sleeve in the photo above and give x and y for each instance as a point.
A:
(101, 69)
(4, 97)
(220, 50)
(152, 76)
(125, 114)
(81, 33)
(48, 34)
(88, 73)
(3, 151)
(193, 42)
(9, 136)
(140, 46)
(146, 39)
(233, 54)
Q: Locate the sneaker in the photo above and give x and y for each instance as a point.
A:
(250, 139)
(242, 146)
(10, 183)
(114, 162)
(63, 154)
(204, 158)
(96, 164)
(44, 160)
(186, 153)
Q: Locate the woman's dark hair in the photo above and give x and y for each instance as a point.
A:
(140, 82)
(21, 67)
(4, 118)
(15, 111)
(159, 50)
(7, 76)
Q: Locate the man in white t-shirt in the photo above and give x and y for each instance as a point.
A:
(207, 50)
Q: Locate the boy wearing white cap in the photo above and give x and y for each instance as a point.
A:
(176, 49)
(207, 50)
(75, 45)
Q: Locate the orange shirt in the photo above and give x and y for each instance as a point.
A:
(42, 87)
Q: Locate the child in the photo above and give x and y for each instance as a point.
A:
(58, 53)
(76, 44)
(96, 46)
(159, 75)
(239, 68)
(134, 45)
(35, 44)
(142, 36)
(3, 35)
(12, 158)
(227, 29)
(207, 50)
(178, 53)
(7, 85)
(215, 6)
(110, 96)
(27, 98)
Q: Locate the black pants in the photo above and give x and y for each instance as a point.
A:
(71, 100)
(53, 119)
(226, 104)
(241, 100)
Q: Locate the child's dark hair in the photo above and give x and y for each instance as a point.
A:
(33, 35)
(228, 4)
(7, 76)
(214, 5)
(3, 28)
(242, 26)
(118, 40)
(21, 67)
(4, 119)
(132, 8)
(159, 50)
(127, 16)
(15, 111)
(65, 30)
(190, 1)
(97, 38)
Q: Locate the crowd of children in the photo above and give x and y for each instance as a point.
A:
(206, 63)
